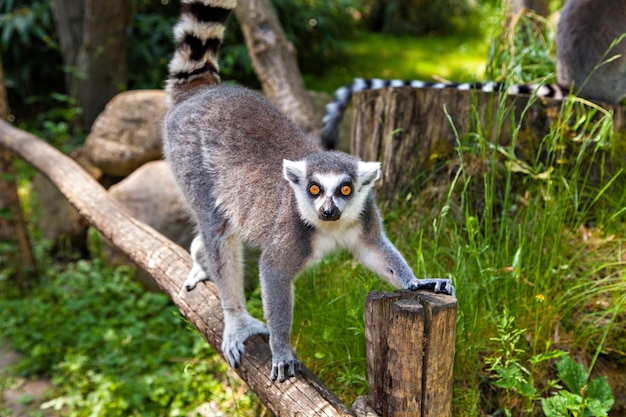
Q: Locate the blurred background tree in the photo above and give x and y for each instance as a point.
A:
(92, 39)
(416, 17)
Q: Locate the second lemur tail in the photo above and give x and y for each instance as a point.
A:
(198, 36)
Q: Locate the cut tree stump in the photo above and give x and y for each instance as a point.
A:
(412, 130)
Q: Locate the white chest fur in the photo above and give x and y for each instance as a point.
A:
(331, 238)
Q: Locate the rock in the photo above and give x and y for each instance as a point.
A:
(127, 133)
(150, 194)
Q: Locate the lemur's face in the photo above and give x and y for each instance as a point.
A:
(330, 194)
(326, 198)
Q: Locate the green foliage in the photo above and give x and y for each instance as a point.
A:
(27, 26)
(318, 29)
(520, 385)
(417, 17)
(523, 52)
(509, 372)
(150, 42)
(113, 348)
(585, 397)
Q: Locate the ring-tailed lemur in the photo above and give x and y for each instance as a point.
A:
(585, 32)
(249, 174)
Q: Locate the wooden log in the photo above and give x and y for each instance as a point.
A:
(169, 265)
(410, 340)
(413, 130)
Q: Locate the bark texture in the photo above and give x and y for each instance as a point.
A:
(13, 236)
(274, 61)
(410, 353)
(92, 34)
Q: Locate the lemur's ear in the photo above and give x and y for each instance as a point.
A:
(294, 171)
(368, 172)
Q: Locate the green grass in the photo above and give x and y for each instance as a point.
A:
(456, 58)
(538, 240)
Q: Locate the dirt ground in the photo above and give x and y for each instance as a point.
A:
(21, 397)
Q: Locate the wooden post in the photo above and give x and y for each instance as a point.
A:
(410, 340)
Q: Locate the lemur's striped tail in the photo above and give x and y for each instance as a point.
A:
(198, 36)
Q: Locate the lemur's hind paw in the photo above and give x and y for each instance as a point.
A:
(438, 285)
(195, 276)
(236, 332)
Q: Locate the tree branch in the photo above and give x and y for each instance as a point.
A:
(274, 61)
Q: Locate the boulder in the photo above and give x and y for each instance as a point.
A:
(151, 195)
(127, 133)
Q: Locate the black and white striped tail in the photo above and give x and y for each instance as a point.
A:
(198, 36)
(336, 108)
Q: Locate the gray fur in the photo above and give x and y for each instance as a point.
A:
(585, 32)
(246, 172)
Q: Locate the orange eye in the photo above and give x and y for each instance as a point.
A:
(346, 190)
(314, 189)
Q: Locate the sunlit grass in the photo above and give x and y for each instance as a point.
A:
(456, 58)
(547, 249)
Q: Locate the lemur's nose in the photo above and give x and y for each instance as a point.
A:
(329, 212)
(329, 215)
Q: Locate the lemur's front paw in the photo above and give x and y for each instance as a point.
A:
(438, 285)
(282, 370)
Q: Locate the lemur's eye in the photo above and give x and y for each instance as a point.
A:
(346, 190)
(314, 189)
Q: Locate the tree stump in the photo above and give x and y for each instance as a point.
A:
(410, 341)
(412, 130)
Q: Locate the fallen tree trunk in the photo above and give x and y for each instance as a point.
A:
(169, 265)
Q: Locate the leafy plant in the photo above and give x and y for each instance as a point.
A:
(27, 26)
(584, 398)
(520, 387)
(112, 348)
(150, 41)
